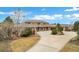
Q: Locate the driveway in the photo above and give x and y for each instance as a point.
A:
(52, 43)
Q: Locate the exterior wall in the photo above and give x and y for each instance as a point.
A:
(36, 23)
(67, 28)
(45, 26)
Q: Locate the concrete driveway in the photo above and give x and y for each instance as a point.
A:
(52, 43)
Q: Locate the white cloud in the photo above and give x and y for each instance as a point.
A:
(13, 13)
(3, 13)
(68, 16)
(76, 15)
(72, 17)
(42, 17)
(47, 17)
(57, 15)
(73, 9)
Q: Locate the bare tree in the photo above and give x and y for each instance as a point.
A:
(18, 17)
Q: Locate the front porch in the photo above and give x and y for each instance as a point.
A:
(43, 28)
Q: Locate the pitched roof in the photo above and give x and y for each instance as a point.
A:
(38, 21)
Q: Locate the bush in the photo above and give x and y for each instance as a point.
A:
(54, 31)
(57, 30)
(76, 26)
(27, 32)
(77, 35)
(5, 34)
(78, 32)
(60, 29)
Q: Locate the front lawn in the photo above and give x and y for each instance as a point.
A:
(4, 46)
(23, 44)
(70, 47)
(19, 45)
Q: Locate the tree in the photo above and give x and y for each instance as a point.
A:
(8, 19)
(59, 28)
(54, 31)
(6, 29)
(18, 18)
(78, 32)
(27, 32)
(76, 26)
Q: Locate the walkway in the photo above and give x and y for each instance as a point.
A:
(52, 43)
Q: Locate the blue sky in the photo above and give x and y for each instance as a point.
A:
(63, 15)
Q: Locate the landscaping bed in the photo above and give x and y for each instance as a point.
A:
(4, 46)
(20, 45)
(72, 46)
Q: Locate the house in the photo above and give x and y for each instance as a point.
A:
(40, 25)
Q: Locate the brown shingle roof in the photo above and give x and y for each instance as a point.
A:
(38, 21)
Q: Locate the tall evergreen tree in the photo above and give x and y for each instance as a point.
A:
(76, 26)
(8, 19)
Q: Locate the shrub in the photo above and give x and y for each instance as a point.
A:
(26, 32)
(77, 35)
(78, 32)
(54, 31)
(5, 34)
(60, 29)
(76, 26)
(57, 30)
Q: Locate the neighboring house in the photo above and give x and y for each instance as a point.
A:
(67, 27)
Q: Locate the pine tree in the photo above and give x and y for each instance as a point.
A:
(8, 19)
(76, 26)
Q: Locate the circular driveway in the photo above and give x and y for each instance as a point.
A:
(50, 43)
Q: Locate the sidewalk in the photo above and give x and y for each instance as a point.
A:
(51, 43)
